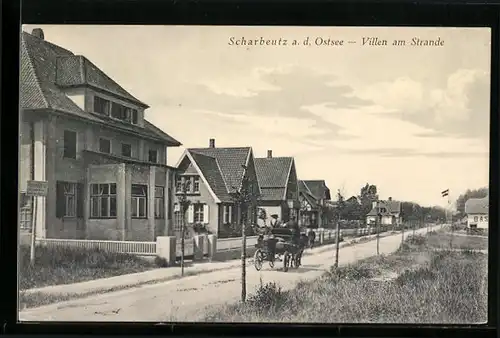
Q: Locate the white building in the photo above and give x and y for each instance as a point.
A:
(477, 213)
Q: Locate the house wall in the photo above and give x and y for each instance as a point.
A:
(78, 96)
(204, 196)
(481, 220)
(41, 151)
(25, 153)
(107, 229)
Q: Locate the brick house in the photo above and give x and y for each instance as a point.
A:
(278, 183)
(85, 135)
(314, 196)
(211, 176)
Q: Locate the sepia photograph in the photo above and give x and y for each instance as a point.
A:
(263, 174)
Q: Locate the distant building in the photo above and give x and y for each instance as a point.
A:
(477, 213)
(390, 211)
(314, 196)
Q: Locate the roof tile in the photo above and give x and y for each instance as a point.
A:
(273, 172)
(38, 89)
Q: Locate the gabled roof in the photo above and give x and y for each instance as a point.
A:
(318, 189)
(47, 69)
(392, 207)
(477, 205)
(222, 168)
(273, 174)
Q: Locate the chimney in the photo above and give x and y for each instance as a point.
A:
(211, 143)
(389, 199)
(374, 204)
(269, 154)
(38, 32)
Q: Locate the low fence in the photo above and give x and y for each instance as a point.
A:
(323, 236)
(135, 248)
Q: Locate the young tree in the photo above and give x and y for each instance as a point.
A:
(339, 212)
(246, 198)
(184, 205)
(367, 196)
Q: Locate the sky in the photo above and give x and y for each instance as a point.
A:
(413, 120)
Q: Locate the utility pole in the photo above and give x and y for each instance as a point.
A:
(337, 244)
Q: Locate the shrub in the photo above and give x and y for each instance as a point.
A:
(268, 298)
(161, 262)
(350, 272)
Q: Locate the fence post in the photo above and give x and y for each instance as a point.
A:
(166, 248)
(212, 246)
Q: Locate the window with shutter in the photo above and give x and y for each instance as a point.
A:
(80, 200)
(191, 214)
(60, 200)
(206, 217)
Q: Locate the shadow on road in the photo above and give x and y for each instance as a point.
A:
(303, 269)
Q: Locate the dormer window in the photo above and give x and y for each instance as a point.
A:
(101, 106)
(115, 110)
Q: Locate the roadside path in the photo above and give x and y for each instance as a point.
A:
(185, 299)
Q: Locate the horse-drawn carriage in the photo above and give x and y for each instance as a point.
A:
(276, 243)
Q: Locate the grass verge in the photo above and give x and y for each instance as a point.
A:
(413, 285)
(64, 265)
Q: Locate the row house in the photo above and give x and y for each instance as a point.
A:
(278, 182)
(105, 164)
(209, 178)
(314, 196)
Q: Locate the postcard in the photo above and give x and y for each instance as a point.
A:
(254, 174)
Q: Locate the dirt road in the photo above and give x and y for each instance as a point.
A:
(185, 299)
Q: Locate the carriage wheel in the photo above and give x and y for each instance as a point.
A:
(257, 260)
(286, 261)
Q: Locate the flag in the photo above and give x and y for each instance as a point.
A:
(445, 192)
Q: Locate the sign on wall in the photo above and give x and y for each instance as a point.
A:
(37, 188)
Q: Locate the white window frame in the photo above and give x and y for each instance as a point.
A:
(70, 197)
(227, 214)
(196, 184)
(99, 197)
(178, 184)
(198, 213)
(159, 202)
(136, 201)
(25, 212)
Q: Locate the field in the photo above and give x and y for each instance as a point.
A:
(420, 283)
